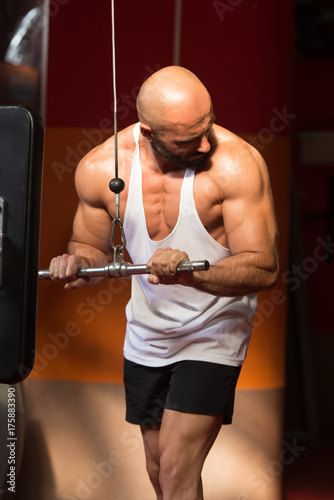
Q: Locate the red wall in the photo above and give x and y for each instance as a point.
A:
(80, 72)
(241, 50)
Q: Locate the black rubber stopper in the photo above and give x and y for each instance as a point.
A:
(116, 185)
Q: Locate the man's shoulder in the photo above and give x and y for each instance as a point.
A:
(234, 164)
(224, 140)
(125, 140)
(229, 148)
(97, 168)
(102, 155)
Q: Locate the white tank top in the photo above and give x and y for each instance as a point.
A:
(169, 323)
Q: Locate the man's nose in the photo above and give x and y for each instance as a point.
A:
(203, 146)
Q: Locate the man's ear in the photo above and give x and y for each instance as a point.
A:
(147, 132)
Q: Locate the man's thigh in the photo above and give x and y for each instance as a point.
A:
(185, 439)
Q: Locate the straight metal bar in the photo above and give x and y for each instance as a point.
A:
(124, 269)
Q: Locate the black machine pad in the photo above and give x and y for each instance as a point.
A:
(21, 160)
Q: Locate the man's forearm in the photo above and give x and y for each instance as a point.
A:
(237, 275)
(94, 257)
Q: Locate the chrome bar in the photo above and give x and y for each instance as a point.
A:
(124, 269)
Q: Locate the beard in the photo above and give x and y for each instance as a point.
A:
(187, 161)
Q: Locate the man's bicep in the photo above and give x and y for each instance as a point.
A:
(249, 217)
(92, 226)
(92, 222)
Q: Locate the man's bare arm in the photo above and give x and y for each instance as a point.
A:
(237, 275)
(251, 230)
(89, 245)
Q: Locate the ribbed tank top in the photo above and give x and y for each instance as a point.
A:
(169, 323)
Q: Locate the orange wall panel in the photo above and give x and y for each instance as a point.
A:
(79, 332)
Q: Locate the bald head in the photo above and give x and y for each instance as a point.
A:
(170, 97)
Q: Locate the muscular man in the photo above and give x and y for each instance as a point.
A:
(193, 191)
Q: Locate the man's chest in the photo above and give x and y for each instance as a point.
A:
(161, 200)
(168, 198)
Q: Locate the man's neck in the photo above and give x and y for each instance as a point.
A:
(154, 160)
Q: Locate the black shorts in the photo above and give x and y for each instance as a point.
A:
(186, 386)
